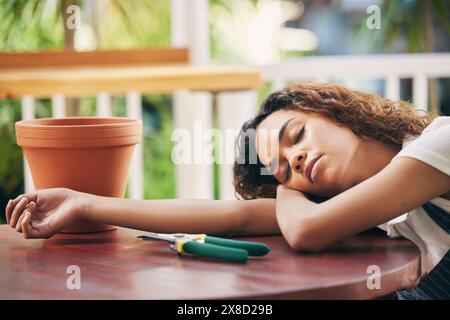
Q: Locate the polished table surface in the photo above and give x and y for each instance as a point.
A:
(117, 265)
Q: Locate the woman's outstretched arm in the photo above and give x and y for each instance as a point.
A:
(186, 215)
(42, 213)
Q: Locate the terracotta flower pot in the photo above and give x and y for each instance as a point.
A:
(86, 154)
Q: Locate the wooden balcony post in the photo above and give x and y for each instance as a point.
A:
(193, 114)
(392, 87)
(420, 91)
(103, 104)
(189, 26)
(136, 176)
(28, 113)
(233, 109)
(58, 106)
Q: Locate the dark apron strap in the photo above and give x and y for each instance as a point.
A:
(435, 285)
(439, 215)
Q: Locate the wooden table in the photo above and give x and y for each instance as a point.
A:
(116, 265)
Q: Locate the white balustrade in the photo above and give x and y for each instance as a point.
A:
(103, 104)
(58, 106)
(392, 87)
(193, 114)
(190, 28)
(136, 176)
(28, 113)
(420, 91)
(233, 109)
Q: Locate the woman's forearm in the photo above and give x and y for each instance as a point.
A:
(190, 216)
(293, 212)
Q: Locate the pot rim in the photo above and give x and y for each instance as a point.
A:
(78, 132)
(47, 123)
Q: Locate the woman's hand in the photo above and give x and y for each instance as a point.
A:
(294, 211)
(42, 213)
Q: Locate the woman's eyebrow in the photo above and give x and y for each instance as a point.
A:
(280, 137)
(283, 129)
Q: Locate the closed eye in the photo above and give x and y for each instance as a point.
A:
(299, 135)
(287, 176)
(297, 139)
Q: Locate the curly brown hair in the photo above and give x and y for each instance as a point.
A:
(367, 115)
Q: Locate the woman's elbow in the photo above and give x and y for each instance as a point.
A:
(304, 239)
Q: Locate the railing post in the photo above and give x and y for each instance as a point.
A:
(351, 83)
(28, 113)
(189, 28)
(278, 84)
(323, 79)
(58, 106)
(193, 113)
(233, 109)
(420, 91)
(392, 87)
(136, 176)
(103, 104)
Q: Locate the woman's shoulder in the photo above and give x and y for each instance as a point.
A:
(432, 146)
(437, 123)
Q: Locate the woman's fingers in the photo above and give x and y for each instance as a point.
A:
(19, 222)
(28, 208)
(26, 225)
(31, 206)
(18, 198)
(8, 211)
(12, 204)
(32, 196)
(18, 211)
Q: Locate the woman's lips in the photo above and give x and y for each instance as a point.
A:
(315, 169)
(311, 169)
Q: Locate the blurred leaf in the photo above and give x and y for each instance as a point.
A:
(404, 17)
(128, 22)
(415, 23)
(222, 3)
(443, 13)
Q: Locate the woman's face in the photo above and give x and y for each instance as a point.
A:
(314, 155)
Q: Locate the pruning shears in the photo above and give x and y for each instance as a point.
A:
(210, 247)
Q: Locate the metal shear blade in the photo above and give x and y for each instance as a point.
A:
(158, 236)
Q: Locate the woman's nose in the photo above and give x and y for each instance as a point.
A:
(297, 161)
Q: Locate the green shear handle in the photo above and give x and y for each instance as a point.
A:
(253, 248)
(226, 249)
(215, 252)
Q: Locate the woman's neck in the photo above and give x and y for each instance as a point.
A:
(376, 156)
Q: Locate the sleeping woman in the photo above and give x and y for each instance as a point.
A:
(319, 163)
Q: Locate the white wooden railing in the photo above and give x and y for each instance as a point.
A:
(347, 69)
